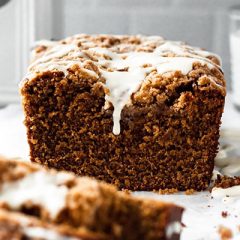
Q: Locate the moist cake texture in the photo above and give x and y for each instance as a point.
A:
(138, 112)
(81, 207)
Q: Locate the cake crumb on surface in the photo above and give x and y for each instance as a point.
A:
(223, 181)
(225, 214)
(167, 191)
(190, 191)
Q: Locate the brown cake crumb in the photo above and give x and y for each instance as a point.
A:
(226, 181)
(167, 191)
(190, 191)
(183, 225)
(225, 233)
(224, 214)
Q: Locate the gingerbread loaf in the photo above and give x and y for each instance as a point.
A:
(138, 112)
(81, 207)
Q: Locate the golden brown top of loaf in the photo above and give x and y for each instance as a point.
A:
(90, 45)
(127, 65)
(119, 53)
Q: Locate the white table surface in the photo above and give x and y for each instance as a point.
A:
(202, 216)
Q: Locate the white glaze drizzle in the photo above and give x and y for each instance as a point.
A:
(120, 92)
(124, 72)
(122, 84)
(45, 234)
(60, 65)
(40, 188)
(57, 51)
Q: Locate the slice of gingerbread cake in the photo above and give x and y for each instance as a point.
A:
(69, 202)
(20, 226)
(139, 112)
